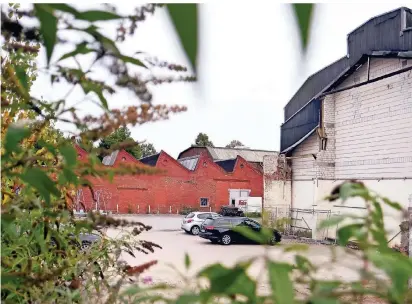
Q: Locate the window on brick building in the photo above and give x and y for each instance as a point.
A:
(204, 202)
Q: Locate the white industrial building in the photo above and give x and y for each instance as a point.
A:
(351, 120)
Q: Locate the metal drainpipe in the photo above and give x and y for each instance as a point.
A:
(369, 66)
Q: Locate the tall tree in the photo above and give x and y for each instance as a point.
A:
(235, 143)
(203, 140)
(147, 149)
(119, 136)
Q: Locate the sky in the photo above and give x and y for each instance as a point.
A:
(250, 65)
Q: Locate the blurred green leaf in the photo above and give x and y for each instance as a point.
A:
(64, 8)
(303, 264)
(90, 86)
(91, 15)
(392, 204)
(132, 60)
(347, 232)
(51, 148)
(48, 27)
(296, 247)
(70, 176)
(23, 78)
(13, 138)
(70, 155)
(229, 281)
(332, 221)
(108, 44)
(399, 269)
(80, 49)
(377, 216)
(185, 19)
(251, 234)
(280, 282)
(187, 261)
(41, 182)
(97, 15)
(303, 12)
(187, 298)
(351, 189)
(324, 300)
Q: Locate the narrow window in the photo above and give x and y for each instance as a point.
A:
(204, 202)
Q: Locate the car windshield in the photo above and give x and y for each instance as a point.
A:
(190, 215)
(208, 222)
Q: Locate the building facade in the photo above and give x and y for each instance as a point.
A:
(195, 182)
(353, 120)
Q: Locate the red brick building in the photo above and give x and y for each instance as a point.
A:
(196, 181)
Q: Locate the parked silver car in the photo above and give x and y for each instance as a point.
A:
(191, 223)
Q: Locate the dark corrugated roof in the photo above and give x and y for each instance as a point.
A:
(228, 165)
(383, 35)
(383, 32)
(150, 160)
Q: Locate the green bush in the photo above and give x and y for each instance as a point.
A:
(186, 210)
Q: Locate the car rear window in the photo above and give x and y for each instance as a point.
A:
(208, 222)
(190, 215)
(203, 215)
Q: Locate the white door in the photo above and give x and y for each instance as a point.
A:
(235, 194)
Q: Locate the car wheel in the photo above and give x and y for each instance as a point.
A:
(226, 239)
(195, 230)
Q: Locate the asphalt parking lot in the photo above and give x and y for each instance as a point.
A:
(175, 243)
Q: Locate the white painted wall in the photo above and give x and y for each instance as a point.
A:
(369, 138)
(276, 193)
(373, 125)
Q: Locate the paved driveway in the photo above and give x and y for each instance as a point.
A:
(166, 232)
(158, 222)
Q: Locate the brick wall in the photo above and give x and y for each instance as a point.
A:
(178, 187)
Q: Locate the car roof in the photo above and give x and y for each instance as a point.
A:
(232, 218)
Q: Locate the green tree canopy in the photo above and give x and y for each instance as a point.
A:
(203, 140)
(147, 149)
(235, 143)
(121, 136)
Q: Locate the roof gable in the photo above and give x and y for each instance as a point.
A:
(118, 156)
(189, 162)
(227, 165)
(150, 160)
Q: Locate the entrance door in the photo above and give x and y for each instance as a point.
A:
(236, 194)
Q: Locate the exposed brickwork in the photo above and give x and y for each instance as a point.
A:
(325, 162)
(178, 187)
(277, 184)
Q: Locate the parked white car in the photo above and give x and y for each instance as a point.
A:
(191, 222)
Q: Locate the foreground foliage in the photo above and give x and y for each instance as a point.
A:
(41, 259)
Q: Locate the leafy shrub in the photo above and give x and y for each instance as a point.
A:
(253, 214)
(186, 210)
